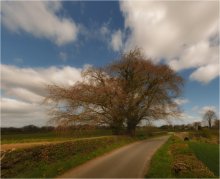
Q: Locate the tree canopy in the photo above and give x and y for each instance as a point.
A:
(120, 95)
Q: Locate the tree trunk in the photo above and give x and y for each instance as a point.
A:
(210, 123)
(131, 129)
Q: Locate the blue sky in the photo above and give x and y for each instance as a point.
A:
(44, 42)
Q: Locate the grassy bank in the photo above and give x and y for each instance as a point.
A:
(175, 159)
(52, 160)
(208, 154)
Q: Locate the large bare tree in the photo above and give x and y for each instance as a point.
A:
(121, 95)
(209, 117)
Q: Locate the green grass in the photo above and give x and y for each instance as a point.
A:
(208, 154)
(160, 166)
(54, 159)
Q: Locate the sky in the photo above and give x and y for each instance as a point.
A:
(51, 42)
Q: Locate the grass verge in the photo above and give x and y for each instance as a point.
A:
(208, 154)
(53, 159)
(175, 159)
(160, 166)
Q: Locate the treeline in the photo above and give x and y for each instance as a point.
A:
(34, 129)
(28, 129)
(192, 126)
(84, 127)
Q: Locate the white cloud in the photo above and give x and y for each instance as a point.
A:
(17, 113)
(183, 119)
(205, 74)
(23, 91)
(188, 119)
(204, 109)
(24, 95)
(40, 19)
(116, 40)
(182, 33)
(63, 56)
(35, 79)
(181, 101)
(13, 106)
(195, 56)
(201, 110)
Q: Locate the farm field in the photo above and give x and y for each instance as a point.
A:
(50, 136)
(208, 154)
(10, 138)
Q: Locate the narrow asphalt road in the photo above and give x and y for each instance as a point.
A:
(130, 161)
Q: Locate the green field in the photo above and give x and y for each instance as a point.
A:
(208, 154)
(8, 138)
(51, 136)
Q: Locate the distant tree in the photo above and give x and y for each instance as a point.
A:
(209, 117)
(119, 95)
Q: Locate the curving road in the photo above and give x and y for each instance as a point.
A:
(130, 161)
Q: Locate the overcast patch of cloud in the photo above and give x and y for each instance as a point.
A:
(39, 18)
(182, 33)
(24, 90)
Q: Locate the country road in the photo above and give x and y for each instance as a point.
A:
(130, 161)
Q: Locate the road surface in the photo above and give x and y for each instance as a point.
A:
(130, 161)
